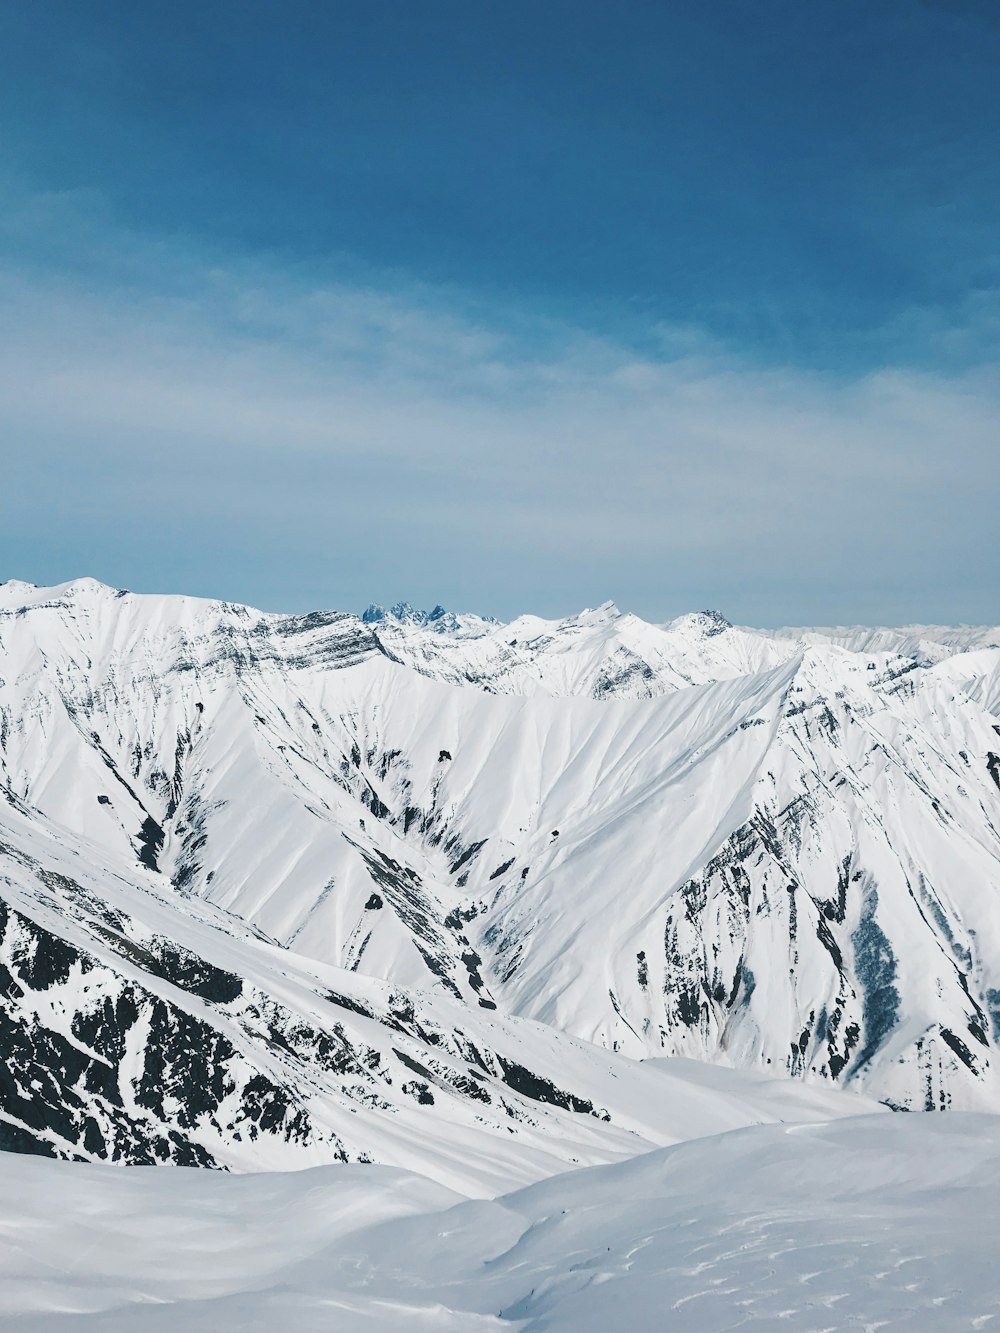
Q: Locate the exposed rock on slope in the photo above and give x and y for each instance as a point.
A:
(772, 851)
(140, 1024)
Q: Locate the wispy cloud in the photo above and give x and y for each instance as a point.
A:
(270, 427)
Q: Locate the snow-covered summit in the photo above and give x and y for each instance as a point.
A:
(702, 624)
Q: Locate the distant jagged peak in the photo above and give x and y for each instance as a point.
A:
(439, 620)
(701, 624)
(376, 612)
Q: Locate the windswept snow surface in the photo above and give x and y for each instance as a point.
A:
(883, 1222)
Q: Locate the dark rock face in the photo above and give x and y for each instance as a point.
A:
(137, 1048)
(134, 1078)
(541, 1089)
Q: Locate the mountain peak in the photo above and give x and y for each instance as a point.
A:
(606, 612)
(440, 619)
(703, 624)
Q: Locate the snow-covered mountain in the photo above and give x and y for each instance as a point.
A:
(141, 1024)
(859, 884)
(426, 889)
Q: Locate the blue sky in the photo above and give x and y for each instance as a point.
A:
(509, 306)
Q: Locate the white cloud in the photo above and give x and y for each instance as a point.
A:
(496, 430)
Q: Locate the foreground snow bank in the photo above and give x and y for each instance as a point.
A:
(877, 1221)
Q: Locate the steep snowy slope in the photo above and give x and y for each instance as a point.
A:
(881, 1222)
(141, 1024)
(335, 799)
(792, 863)
(867, 857)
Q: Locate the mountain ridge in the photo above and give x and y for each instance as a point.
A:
(777, 854)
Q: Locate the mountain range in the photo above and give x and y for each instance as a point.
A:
(483, 901)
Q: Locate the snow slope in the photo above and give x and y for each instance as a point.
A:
(775, 852)
(141, 1024)
(879, 1222)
